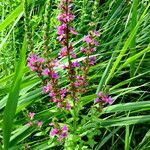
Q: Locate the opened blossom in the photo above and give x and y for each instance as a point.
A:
(31, 115)
(35, 62)
(103, 98)
(61, 133)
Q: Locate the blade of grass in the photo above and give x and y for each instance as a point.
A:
(133, 42)
(126, 45)
(12, 16)
(12, 101)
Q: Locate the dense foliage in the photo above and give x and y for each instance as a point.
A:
(81, 83)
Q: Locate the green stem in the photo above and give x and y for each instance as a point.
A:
(133, 42)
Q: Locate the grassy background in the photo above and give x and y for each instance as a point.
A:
(122, 63)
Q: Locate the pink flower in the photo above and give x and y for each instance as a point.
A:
(55, 63)
(100, 94)
(93, 49)
(47, 88)
(65, 18)
(62, 136)
(107, 99)
(92, 60)
(34, 62)
(87, 39)
(73, 55)
(39, 123)
(63, 52)
(97, 100)
(83, 49)
(61, 29)
(52, 94)
(72, 30)
(104, 98)
(63, 92)
(96, 33)
(95, 43)
(41, 60)
(45, 71)
(60, 38)
(68, 106)
(54, 132)
(80, 81)
(31, 115)
(54, 75)
(75, 64)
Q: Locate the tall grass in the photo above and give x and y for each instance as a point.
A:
(122, 67)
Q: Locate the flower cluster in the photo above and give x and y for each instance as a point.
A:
(31, 122)
(103, 99)
(61, 133)
(91, 42)
(64, 31)
(45, 69)
(76, 71)
(35, 63)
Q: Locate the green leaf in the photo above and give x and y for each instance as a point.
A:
(145, 105)
(12, 101)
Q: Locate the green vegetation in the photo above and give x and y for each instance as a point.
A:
(122, 70)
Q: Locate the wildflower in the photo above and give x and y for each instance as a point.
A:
(34, 62)
(45, 71)
(75, 64)
(63, 52)
(87, 39)
(54, 75)
(68, 106)
(97, 100)
(60, 132)
(103, 98)
(54, 132)
(63, 92)
(31, 115)
(95, 33)
(92, 60)
(54, 63)
(61, 29)
(39, 123)
(82, 49)
(47, 88)
(52, 94)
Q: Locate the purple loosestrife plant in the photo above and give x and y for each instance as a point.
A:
(66, 98)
